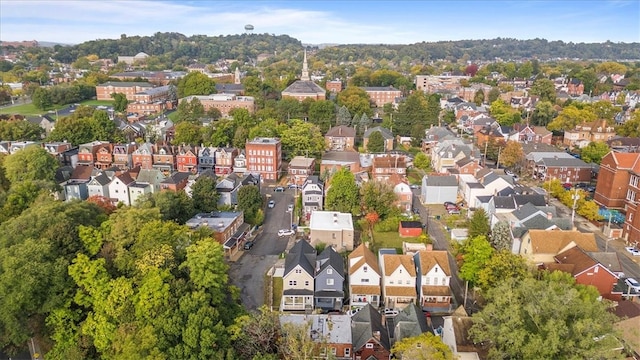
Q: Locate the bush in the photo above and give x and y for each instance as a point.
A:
(388, 225)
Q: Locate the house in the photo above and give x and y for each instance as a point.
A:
(409, 322)
(206, 158)
(540, 246)
(329, 280)
(240, 164)
(398, 279)
(583, 134)
(333, 161)
(164, 159)
(224, 160)
(434, 136)
(312, 195)
(455, 334)
(225, 224)
(129, 89)
(525, 133)
(187, 159)
(123, 156)
(567, 170)
(151, 177)
(75, 188)
(264, 157)
(104, 156)
(575, 87)
(332, 229)
(446, 153)
(369, 336)
(628, 313)
(332, 332)
(300, 168)
(119, 188)
(434, 276)
(175, 182)
(381, 95)
(383, 167)
(439, 189)
(334, 86)
(99, 185)
(340, 138)
(298, 279)
(616, 178)
(304, 88)
(404, 195)
(386, 135)
(56, 149)
(87, 152)
(229, 187)
(586, 270)
(467, 165)
(364, 277)
(410, 228)
(470, 188)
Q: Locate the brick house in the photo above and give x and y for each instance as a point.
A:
(87, 153)
(567, 170)
(104, 156)
(384, 167)
(143, 156)
(333, 161)
(164, 158)
(334, 86)
(300, 168)
(187, 159)
(583, 134)
(123, 155)
(381, 95)
(525, 133)
(223, 223)
(175, 182)
(369, 335)
(466, 165)
(224, 102)
(264, 156)
(575, 87)
(224, 160)
(331, 332)
(614, 178)
(340, 138)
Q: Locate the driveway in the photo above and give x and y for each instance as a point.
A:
(248, 272)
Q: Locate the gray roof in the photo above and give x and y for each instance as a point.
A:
(363, 324)
(409, 322)
(341, 156)
(518, 231)
(149, 176)
(303, 254)
(330, 258)
(441, 181)
(176, 178)
(538, 222)
(475, 185)
(607, 259)
(491, 177)
(328, 294)
(568, 162)
(503, 202)
(484, 199)
(341, 131)
(102, 179)
(542, 147)
(537, 200)
(525, 211)
(386, 134)
(304, 87)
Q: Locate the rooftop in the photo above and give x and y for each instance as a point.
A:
(330, 220)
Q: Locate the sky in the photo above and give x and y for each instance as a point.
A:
(325, 22)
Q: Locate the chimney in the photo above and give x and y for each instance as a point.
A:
(429, 247)
(335, 218)
(376, 335)
(549, 216)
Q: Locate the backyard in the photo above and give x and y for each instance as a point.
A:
(390, 240)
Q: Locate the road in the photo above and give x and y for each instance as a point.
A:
(248, 272)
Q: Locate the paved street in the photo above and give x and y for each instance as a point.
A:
(248, 272)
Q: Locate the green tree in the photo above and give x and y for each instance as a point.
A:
(501, 266)
(120, 102)
(422, 161)
(504, 113)
(543, 113)
(594, 152)
(41, 98)
(376, 143)
(196, 83)
(256, 334)
(30, 163)
(501, 236)
(204, 194)
(512, 155)
(425, 346)
(550, 318)
(213, 113)
(479, 224)
(302, 138)
(344, 118)
(356, 100)
(174, 205)
(630, 128)
(343, 193)
(297, 344)
(478, 97)
(476, 252)
(322, 113)
(190, 111)
(103, 128)
(74, 130)
(377, 197)
(545, 89)
(414, 110)
(188, 133)
(250, 201)
(570, 116)
(20, 130)
(494, 94)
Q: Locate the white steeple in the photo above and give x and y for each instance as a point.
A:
(305, 68)
(236, 77)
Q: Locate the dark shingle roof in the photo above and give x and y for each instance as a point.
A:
(503, 202)
(304, 87)
(363, 324)
(329, 257)
(303, 254)
(536, 199)
(341, 131)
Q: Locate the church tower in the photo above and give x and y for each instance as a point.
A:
(236, 77)
(305, 68)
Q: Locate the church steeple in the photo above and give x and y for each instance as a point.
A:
(236, 77)
(305, 68)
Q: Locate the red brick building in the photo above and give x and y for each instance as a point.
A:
(87, 152)
(334, 86)
(264, 156)
(143, 156)
(300, 168)
(129, 89)
(187, 159)
(385, 166)
(410, 228)
(615, 179)
(381, 95)
(104, 156)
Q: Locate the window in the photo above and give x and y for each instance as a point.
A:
(293, 283)
(298, 271)
(329, 281)
(333, 235)
(427, 280)
(323, 351)
(347, 352)
(365, 268)
(633, 181)
(369, 346)
(444, 281)
(365, 280)
(306, 283)
(333, 350)
(408, 282)
(329, 271)
(631, 195)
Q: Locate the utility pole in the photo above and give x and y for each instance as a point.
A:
(575, 198)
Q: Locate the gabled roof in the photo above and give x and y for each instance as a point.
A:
(364, 325)
(577, 258)
(330, 258)
(539, 222)
(303, 87)
(448, 180)
(367, 257)
(535, 199)
(409, 322)
(101, 179)
(81, 172)
(125, 178)
(303, 254)
(504, 202)
(627, 161)
(429, 259)
(393, 261)
(610, 260)
(553, 241)
(341, 131)
(563, 162)
(386, 134)
(525, 211)
(176, 178)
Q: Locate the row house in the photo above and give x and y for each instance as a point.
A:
(229, 187)
(364, 278)
(104, 156)
(123, 156)
(75, 188)
(398, 278)
(228, 228)
(224, 160)
(525, 133)
(387, 136)
(384, 167)
(240, 164)
(312, 195)
(329, 280)
(164, 158)
(87, 153)
(583, 134)
(619, 187)
(332, 333)
(207, 158)
(300, 168)
(340, 138)
(264, 156)
(176, 181)
(567, 170)
(433, 279)
(187, 159)
(332, 229)
(381, 95)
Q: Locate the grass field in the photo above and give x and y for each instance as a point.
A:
(30, 109)
(390, 240)
(97, 102)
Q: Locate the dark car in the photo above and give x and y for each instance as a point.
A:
(248, 245)
(279, 189)
(448, 204)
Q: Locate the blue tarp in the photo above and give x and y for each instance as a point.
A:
(616, 216)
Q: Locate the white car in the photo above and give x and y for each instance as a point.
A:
(353, 312)
(633, 251)
(285, 232)
(633, 283)
(272, 204)
(390, 312)
(290, 208)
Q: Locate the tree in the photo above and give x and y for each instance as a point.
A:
(250, 201)
(414, 110)
(476, 252)
(630, 128)
(174, 206)
(302, 138)
(545, 89)
(570, 116)
(479, 224)
(494, 94)
(356, 100)
(425, 346)
(343, 193)
(296, 342)
(377, 197)
(594, 152)
(501, 266)
(376, 142)
(322, 113)
(196, 83)
(190, 111)
(256, 334)
(501, 236)
(512, 154)
(590, 210)
(213, 113)
(20, 130)
(550, 318)
(478, 97)
(30, 163)
(543, 113)
(103, 128)
(204, 194)
(120, 102)
(422, 161)
(41, 98)
(504, 113)
(188, 133)
(344, 118)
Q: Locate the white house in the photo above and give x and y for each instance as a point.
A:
(398, 278)
(312, 195)
(364, 277)
(434, 275)
(469, 188)
(99, 185)
(119, 188)
(332, 228)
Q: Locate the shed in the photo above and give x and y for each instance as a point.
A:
(410, 228)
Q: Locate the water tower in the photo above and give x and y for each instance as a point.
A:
(248, 28)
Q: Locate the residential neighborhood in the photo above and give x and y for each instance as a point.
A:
(321, 212)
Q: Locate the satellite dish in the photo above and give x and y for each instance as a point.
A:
(248, 28)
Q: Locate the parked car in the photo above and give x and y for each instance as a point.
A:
(633, 251)
(449, 204)
(353, 312)
(279, 189)
(290, 208)
(390, 312)
(293, 186)
(633, 283)
(414, 186)
(508, 172)
(248, 245)
(272, 204)
(285, 232)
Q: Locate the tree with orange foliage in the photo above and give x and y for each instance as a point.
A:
(103, 202)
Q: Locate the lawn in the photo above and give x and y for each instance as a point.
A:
(28, 109)
(415, 176)
(277, 292)
(390, 240)
(97, 102)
